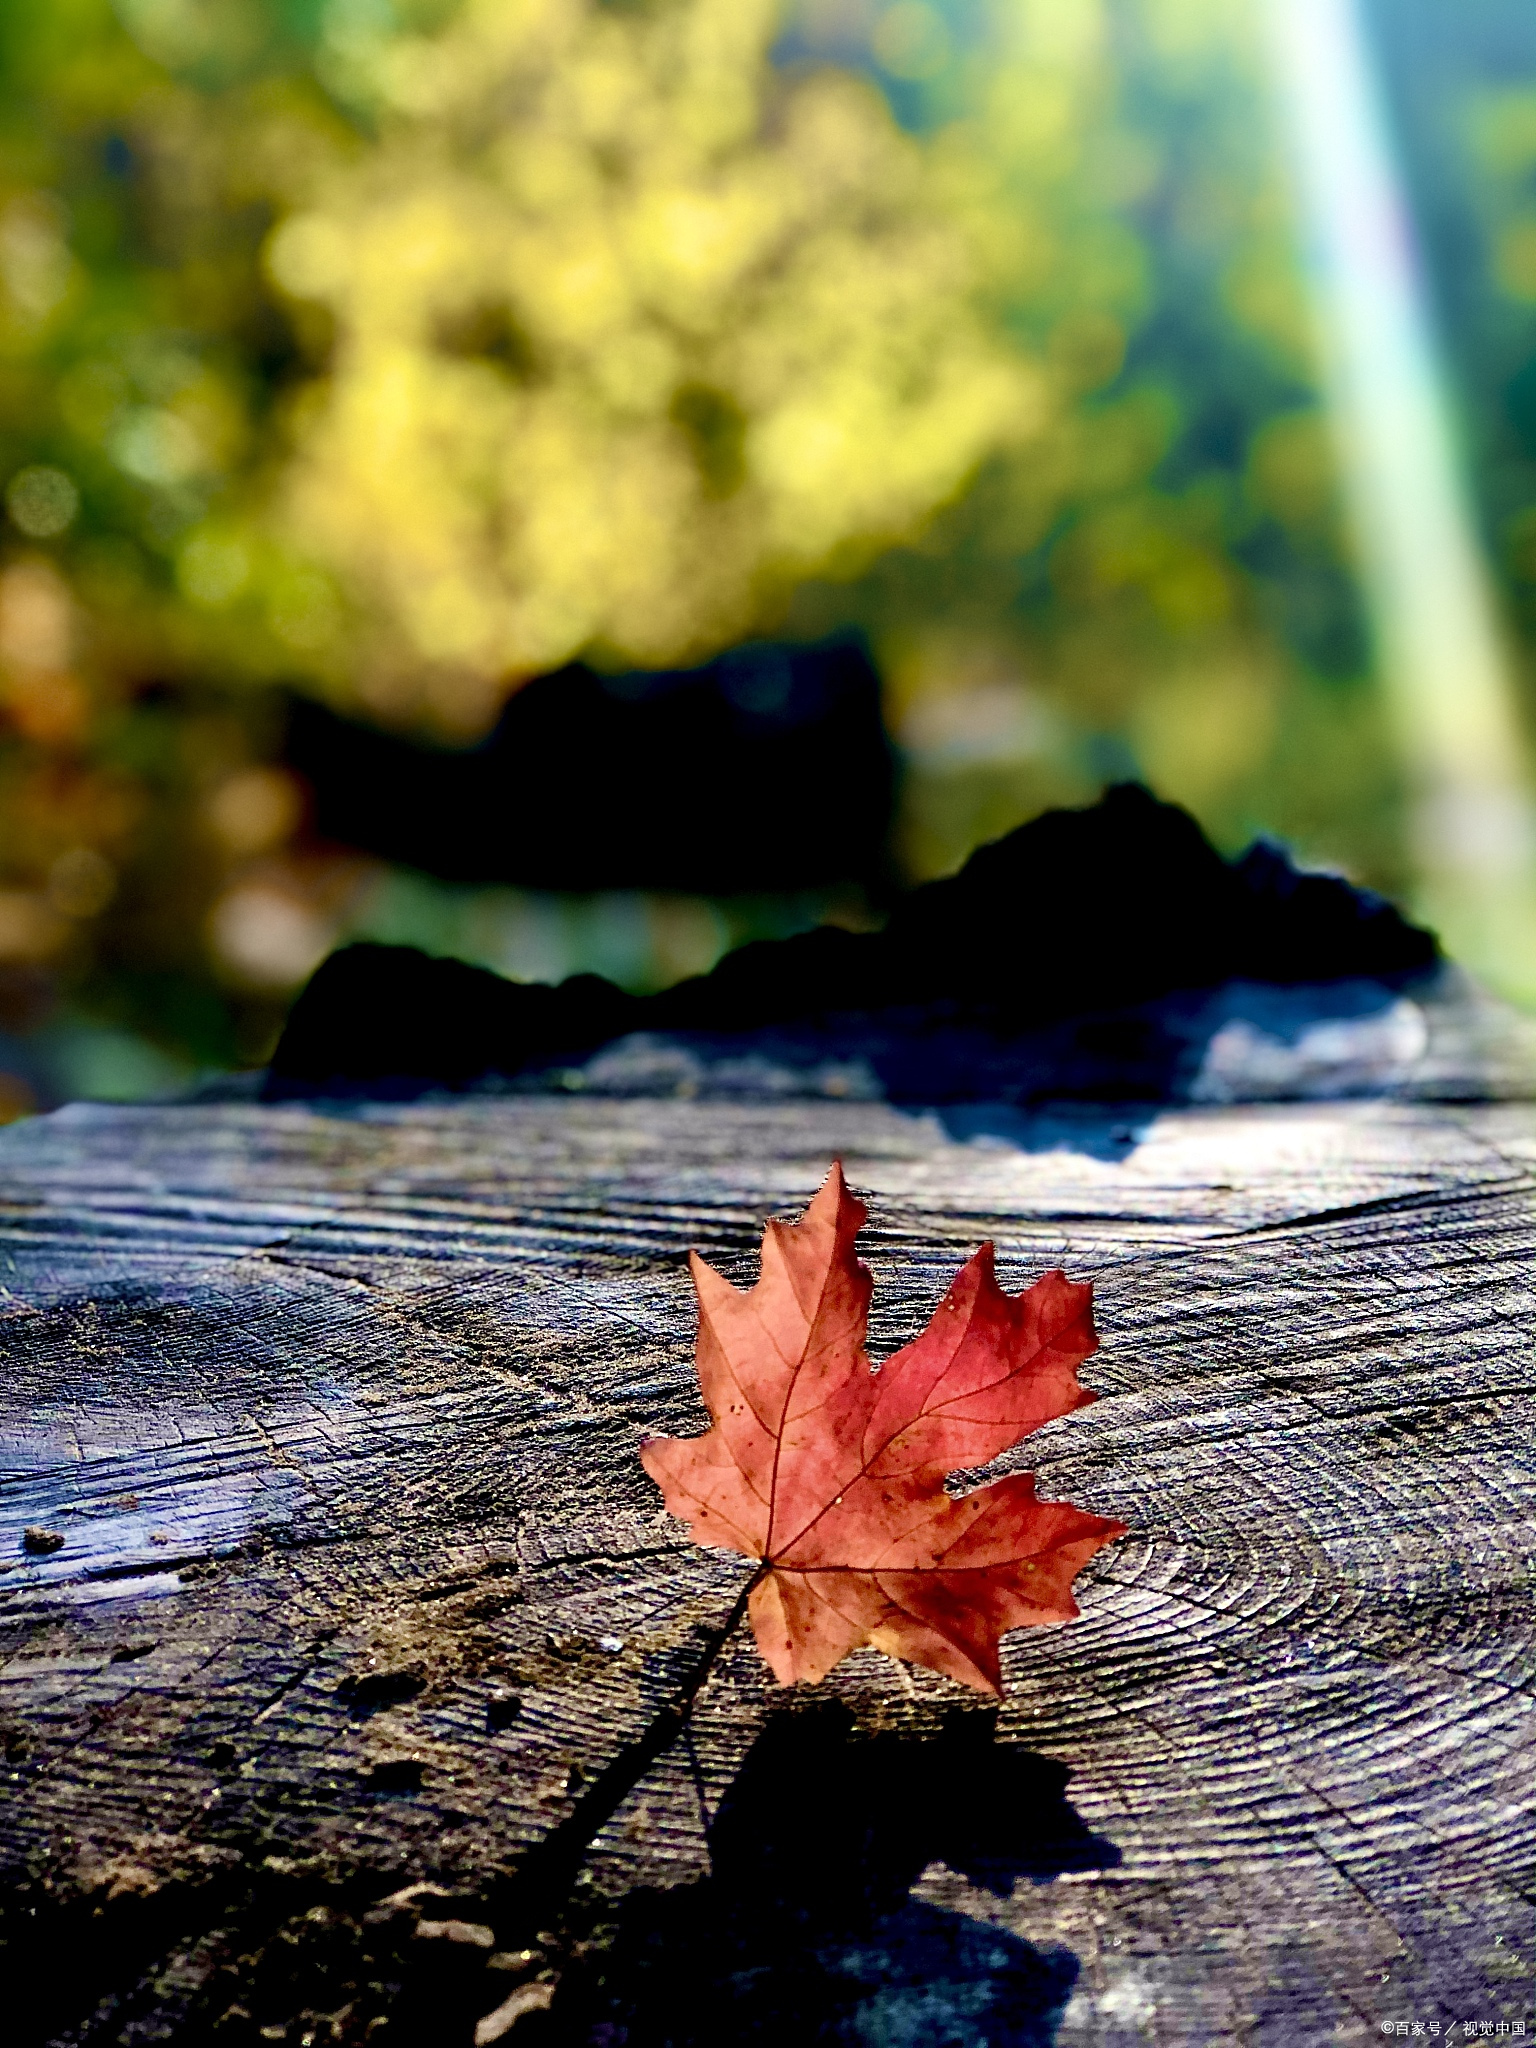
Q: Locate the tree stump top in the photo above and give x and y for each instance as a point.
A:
(362, 1588)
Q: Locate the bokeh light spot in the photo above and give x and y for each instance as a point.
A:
(42, 501)
(29, 929)
(36, 617)
(267, 939)
(157, 446)
(81, 882)
(255, 810)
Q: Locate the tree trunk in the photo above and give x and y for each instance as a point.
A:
(362, 1589)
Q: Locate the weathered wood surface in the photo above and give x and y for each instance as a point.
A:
(362, 1585)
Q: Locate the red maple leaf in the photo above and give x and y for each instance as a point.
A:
(831, 1469)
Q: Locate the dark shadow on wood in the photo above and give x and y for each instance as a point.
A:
(1032, 974)
(806, 1931)
(263, 1944)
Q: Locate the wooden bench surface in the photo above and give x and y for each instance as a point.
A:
(362, 1583)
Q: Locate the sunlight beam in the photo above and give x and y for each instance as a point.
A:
(1440, 647)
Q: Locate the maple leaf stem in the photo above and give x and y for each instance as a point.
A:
(548, 1872)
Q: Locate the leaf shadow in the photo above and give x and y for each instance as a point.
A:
(806, 1928)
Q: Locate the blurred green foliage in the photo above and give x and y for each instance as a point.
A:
(1158, 582)
(397, 352)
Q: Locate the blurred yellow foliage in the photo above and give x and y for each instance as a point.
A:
(396, 350)
(630, 335)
